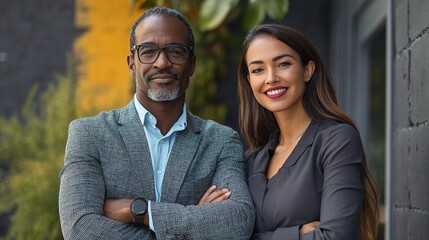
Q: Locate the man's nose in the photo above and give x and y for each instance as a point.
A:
(162, 60)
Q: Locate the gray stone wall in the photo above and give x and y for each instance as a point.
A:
(35, 37)
(410, 150)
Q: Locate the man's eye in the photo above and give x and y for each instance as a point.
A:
(176, 51)
(148, 51)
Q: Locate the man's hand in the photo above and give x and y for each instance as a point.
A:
(213, 195)
(119, 210)
(309, 227)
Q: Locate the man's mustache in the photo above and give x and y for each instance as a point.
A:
(151, 75)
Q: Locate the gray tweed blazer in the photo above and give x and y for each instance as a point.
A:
(107, 156)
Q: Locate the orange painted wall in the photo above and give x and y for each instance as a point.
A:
(100, 54)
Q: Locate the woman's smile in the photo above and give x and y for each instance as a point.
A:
(276, 92)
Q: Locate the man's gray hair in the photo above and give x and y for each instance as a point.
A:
(164, 12)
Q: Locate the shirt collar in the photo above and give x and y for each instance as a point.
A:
(147, 118)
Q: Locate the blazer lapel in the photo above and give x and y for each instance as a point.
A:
(306, 140)
(181, 156)
(132, 132)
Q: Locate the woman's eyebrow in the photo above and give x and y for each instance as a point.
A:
(274, 59)
(282, 56)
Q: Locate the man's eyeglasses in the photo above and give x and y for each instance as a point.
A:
(176, 54)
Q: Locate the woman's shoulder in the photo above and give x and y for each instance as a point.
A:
(332, 128)
(336, 135)
(337, 138)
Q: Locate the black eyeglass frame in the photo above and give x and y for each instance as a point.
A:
(189, 51)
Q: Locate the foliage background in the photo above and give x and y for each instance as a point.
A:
(32, 143)
(31, 147)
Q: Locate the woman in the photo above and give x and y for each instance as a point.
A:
(307, 170)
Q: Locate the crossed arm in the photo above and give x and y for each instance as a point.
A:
(86, 214)
(119, 209)
(340, 161)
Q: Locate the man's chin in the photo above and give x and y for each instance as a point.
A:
(164, 96)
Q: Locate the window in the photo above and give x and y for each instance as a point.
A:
(377, 112)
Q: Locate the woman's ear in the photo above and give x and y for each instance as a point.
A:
(309, 70)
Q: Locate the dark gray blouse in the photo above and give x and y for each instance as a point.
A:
(320, 181)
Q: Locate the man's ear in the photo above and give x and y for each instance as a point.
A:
(131, 64)
(192, 67)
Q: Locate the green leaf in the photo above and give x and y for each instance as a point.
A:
(276, 9)
(254, 14)
(149, 4)
(214, 12)
(132, 3)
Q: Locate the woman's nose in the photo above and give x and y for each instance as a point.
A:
(271, 77)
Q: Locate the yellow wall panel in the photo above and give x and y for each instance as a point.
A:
(100, 54)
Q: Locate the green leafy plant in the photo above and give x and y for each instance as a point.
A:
(32, 149)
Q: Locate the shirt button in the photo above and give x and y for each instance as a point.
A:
(161, 141)
(159, 172)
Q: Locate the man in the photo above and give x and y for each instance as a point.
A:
(140, 172)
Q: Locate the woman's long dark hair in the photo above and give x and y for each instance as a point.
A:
(319, 101)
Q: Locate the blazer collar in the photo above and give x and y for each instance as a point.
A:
(261, 158)
(182, 155)
(134, 137)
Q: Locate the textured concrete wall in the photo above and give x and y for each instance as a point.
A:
(35, 37)
(411, 120)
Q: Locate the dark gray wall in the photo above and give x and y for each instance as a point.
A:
(34, 39)
(410, 143)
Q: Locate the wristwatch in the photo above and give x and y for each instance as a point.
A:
(139, 208)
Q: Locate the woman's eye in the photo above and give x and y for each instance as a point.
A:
(284, 64)
(256, 70)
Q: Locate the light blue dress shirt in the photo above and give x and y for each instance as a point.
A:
(159, 145)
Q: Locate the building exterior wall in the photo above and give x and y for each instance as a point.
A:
(410, 125)
(38, 38)
(35, 37)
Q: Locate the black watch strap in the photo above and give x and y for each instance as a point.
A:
(138, 221)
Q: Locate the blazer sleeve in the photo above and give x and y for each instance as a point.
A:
(82, 192)
(341, 163)
(230, 219)
(279, 233)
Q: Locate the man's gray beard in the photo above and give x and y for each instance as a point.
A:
(161, 96)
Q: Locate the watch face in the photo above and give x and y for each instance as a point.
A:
(138, 207)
